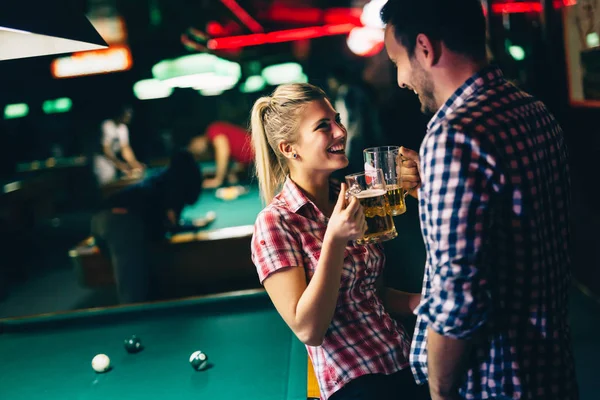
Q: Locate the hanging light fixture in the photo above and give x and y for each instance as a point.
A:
(198, 71)
(47, 27)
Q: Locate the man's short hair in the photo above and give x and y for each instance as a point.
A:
(459, 24)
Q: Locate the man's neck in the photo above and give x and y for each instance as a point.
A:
(455, 75)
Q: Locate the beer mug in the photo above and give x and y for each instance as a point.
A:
(370, 189)
(384, 158)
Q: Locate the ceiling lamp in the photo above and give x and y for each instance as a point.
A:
(371, 14)
(279, 74)
(61, 105)
(44, 28)
(18, 110)
(254, 83)
(211, 92)
(148, 89)
(198, 71)
(365, 42)
(104, 61)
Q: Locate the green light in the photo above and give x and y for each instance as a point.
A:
(18, 110)
(200, 71)
(593, 40)
(155, 14)
(147, 89)
(253, 84)
(210, 92)
(517, 52)
(283, 73)
(60, 105)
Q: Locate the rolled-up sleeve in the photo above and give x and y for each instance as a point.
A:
(460, 177)
(274, 245)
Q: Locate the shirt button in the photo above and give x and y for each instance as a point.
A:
(262, 242)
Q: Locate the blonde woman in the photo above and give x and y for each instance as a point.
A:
(323, 285)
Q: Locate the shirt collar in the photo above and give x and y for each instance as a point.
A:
(488, 75)
(293, 196)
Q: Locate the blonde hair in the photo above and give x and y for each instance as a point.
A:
(275, 119)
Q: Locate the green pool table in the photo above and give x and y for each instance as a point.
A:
(209, 260)
(208, 170)
(252, 353)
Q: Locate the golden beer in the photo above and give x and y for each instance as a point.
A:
(395, 197)
(380, 225)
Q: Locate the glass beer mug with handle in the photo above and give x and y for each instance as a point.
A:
(370, 189)
(385, 158)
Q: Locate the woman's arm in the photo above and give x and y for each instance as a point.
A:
(308, 309)
(396, 302)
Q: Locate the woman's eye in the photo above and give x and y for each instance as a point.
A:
(324, 125)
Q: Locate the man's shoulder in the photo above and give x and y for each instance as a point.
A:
(489, 108)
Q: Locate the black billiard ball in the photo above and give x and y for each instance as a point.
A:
(133, 344)
(199, 360)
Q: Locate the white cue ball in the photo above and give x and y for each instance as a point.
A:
(101, 363)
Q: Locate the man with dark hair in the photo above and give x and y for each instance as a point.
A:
(131, 220)
(493, 185)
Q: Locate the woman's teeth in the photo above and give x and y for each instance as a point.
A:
(336, 149)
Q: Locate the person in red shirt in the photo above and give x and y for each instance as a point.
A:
(326, 288)
(229, 143)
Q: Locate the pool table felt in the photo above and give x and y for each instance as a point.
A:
(252, 353)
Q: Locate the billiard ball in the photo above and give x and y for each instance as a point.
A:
(133, 344)
(199, 360)
(101, 363)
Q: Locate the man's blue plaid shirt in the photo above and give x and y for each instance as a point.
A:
(494, 207)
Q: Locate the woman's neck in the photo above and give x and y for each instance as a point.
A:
(316, 188)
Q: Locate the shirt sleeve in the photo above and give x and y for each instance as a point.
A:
(274, 245)
(460, 177)
(108, 132)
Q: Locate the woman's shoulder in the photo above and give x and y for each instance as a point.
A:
(277, 209)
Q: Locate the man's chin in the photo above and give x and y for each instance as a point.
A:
(427, 111)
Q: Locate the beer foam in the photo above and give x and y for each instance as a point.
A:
(370, 193)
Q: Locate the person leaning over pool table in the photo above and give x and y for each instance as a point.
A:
(323, 285)
(228, 142)
(128, 222)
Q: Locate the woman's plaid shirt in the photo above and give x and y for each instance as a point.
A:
(362, 338)
(494, 207)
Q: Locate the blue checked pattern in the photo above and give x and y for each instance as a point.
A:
(494, 207)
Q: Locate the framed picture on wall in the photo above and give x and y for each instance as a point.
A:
(582, 50)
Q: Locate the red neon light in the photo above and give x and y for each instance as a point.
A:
(311, 15)
(214, 28)
(243, 15)
(516, 8)
(527, 7)
(279, 36)
(343, 16)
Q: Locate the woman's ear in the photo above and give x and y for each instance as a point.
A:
(287, 150)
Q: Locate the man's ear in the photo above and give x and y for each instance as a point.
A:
(427, 51)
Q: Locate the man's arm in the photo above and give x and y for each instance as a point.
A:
(445, 359)
(460, 179)
(129, 156)
(110, 155)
